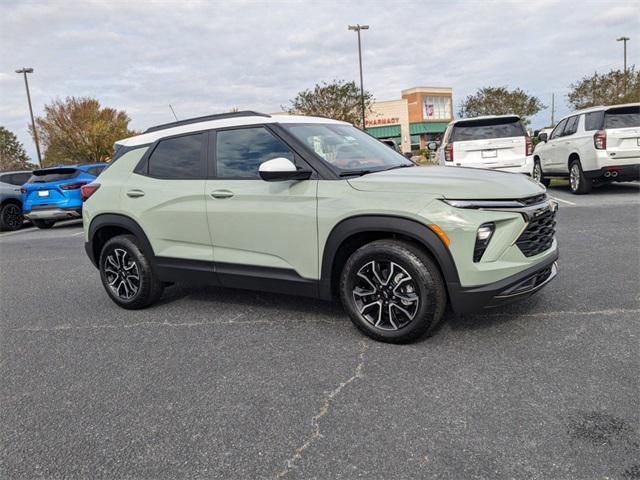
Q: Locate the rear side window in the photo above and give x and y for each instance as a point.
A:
(623, 117)
(486, 129)
(53, 175)
(593, 121)
(15, 178)
(95, 171)
(571, 127)
(178, 158)
(239, 153)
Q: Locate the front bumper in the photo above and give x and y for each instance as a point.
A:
(510, 289)
(53, 213)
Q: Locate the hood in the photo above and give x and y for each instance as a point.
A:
(450, 182)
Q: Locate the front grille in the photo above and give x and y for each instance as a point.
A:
(538, 236)
(533, 200)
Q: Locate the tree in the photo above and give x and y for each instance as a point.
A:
(339, 100)
(78, 130)
(610, 88)
(501, 101)
(12, 153)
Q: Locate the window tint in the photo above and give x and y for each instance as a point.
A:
(178, 158)
(95, 171)
(622, 117)
(593, 121)
(20, 178)
(486, 129)
(571, 127)
(240, 152)
(53, 175)
(557, 132)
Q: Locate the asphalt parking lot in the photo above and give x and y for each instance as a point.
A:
(218, 383)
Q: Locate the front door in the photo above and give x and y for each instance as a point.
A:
(259, 229)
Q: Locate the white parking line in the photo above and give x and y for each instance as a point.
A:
(76, 234)
(24, 230)
(563, 201)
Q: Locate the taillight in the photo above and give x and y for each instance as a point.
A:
(72, 186)
(600, 140)
(87, 190)
(529, 145)
(448, 152)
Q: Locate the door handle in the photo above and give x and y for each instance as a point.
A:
(222, 194)
(135, 193)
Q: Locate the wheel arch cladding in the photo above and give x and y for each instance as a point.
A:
(572, 157)
(106, 226)
(351, 233)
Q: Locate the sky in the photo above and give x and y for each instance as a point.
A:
(206, 57)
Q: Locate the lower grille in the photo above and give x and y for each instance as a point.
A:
(538, 236)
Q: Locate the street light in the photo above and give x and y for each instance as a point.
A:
(625, 40)
(24, 71)
(357, 28)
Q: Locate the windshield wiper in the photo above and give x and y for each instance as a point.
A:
(359, 173)
(399, 166)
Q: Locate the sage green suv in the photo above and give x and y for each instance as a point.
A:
(315, 207)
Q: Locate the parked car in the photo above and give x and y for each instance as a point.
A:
(495, 142)
(391, 143)
(53, 194)
(11, 200)
(592, 146)
(263, 202)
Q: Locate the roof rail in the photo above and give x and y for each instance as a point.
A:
(219, 116)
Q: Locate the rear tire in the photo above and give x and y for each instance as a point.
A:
(43, 224)
(578, 183)
(127, 275)
(538, 175)
(392, 291)
(11, 217)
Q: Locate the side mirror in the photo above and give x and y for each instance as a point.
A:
(281, 169)
(543, 137)
(433, 146)
(536, 133)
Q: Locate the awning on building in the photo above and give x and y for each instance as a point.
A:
(427, 127)
(385, 131)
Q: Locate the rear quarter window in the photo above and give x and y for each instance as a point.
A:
(487, 129)
(593, 121)
(623, 117)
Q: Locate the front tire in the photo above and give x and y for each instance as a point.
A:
(127, 275)
(392, 291)
(578, 183)
(11, 217)
(538, 176)
(43, 224)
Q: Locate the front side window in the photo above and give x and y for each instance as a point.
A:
(557, 132)
(486, 129)
(178, 158)
(240, 152)
(346, 148)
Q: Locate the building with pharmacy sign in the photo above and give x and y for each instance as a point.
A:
(419, 116)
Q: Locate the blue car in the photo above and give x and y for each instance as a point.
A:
(53, 194)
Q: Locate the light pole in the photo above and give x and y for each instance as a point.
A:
(357, 28)
(625, 40)
(24, 71)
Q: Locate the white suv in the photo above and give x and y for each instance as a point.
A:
(495, 142)
(596, 145)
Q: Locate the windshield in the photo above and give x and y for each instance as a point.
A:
(347, 148)
(487, 129)
(624, 117)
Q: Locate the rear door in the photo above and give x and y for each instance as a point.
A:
(259, 228)
(165, 195)
(622, 125)
(489, 143)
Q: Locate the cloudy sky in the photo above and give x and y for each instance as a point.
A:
(208, 56)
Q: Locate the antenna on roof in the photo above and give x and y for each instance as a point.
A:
(174, 113)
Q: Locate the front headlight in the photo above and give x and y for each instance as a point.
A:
(483, 237)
